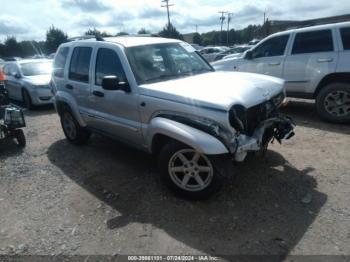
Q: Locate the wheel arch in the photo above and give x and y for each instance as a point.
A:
(332, 78)
(63, 101)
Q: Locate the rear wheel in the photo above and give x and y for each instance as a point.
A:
(333, 103)
(20, 137)
(188, 172)
(72, 130)
(27, 100)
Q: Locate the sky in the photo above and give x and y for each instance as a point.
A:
(30, 19)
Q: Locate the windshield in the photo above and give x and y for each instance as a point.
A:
(36, 68)
(159, 62)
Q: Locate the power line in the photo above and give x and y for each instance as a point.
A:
(167, 5)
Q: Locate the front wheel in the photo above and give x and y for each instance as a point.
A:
(188, 172)
(72, 130)
(333, 103)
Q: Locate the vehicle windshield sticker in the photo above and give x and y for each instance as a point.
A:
(188, 47)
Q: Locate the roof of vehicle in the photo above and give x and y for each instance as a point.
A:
(316, 27)
(24, 61)
(130, 41)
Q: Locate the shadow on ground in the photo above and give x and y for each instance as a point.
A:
(304, 114)
(259, 210)
(9, 148)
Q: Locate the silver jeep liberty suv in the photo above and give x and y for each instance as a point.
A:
(161, 96)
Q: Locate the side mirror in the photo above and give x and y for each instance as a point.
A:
(248, 55)
(16, 75)
(113, 83)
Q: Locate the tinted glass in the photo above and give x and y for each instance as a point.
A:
(107, 64)
(60, 61)
(313, 42)
(272, 47)
(345, 35)
(80, 64)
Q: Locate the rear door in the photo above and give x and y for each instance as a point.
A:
(114, 111)
(312, 56)
(268, 57)
(344, 54)
(79, 77)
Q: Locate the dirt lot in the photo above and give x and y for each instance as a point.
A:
(104, 198)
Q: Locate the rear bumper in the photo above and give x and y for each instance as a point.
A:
(278, 127)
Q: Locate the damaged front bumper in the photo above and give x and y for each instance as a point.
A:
(278, 127)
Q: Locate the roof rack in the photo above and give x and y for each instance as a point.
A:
(86, 37)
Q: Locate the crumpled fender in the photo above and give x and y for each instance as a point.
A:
(197, 139)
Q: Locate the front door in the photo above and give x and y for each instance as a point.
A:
(114, 111)
(268, 57)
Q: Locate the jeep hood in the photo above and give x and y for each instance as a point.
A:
(217, 90)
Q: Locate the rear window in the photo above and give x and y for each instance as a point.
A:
(345, 36)
(313, 42)
(60, 61)
(80, 64)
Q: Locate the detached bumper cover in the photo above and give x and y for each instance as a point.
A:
(278, 127)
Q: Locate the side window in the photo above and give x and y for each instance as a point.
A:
(108, 63)
(60, 61)
(345, 36)
(313, 42)
(272, 47)
(6, 70)
(80, 64)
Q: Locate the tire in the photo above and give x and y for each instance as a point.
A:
(174, 171)
(27, 100)
(72, 130)
(20, 137)
(333, 103)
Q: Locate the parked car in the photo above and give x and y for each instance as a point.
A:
(135, 89)
(28, 81)
(314, 61)
(236, 51)
(209, 53)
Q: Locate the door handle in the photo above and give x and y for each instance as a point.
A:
(69, 87)
(98, 93)
(324, 60)
(274, 63)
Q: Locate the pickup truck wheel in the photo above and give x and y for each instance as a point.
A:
(333, 103)
(72, 130)
(187, 172)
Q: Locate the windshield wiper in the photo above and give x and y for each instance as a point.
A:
(161, 77)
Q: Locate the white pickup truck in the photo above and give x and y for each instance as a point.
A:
(314, 61)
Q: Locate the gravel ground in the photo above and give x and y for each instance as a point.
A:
(104, 198)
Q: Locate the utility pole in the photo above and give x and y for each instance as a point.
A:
(228, 27)
(196, 28)
(167, 5)
(222, 19)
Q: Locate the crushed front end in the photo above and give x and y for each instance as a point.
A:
(259, 125)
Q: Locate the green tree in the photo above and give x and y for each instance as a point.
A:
(122, 34)
(97, 33)
(12, 47)
(169, 31)
(143, 31)
(197, 39)
(54, 37)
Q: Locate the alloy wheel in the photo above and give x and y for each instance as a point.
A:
(337, 103)
(190, 170)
